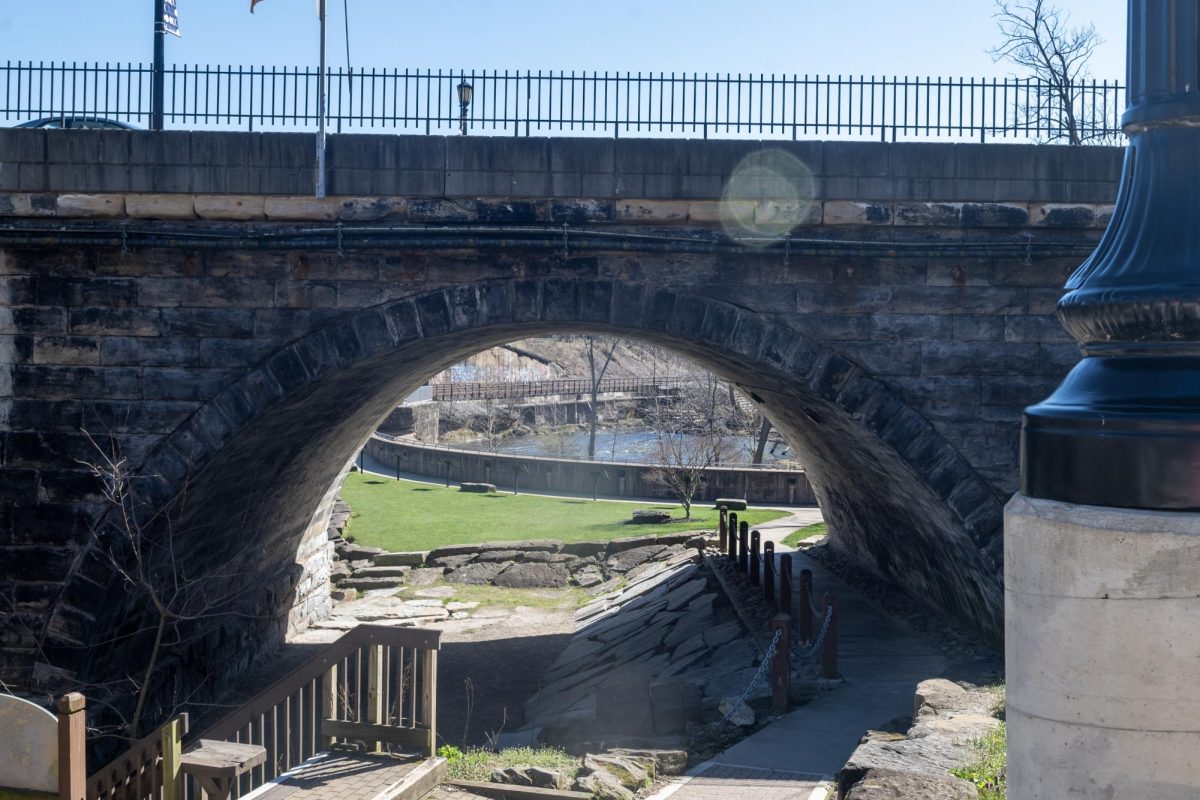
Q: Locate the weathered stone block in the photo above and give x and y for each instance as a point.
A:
(652, 211)
(91, 205)
(302, 208)
(230, 207)
(160, 206)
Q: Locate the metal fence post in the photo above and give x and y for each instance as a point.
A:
(829, 648)
(768, 573)
(733, 537)
(806, 595)
(755, 540)
(781, 665)
(722, 529)
(744, 547)
(785, 584)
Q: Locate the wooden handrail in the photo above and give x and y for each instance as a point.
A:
(318, 666)
(375, 685)
(138, 773)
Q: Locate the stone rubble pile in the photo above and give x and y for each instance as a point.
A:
(614, 775)
(645, 661)
(947, 718)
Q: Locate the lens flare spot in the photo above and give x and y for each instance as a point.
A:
(768, 194)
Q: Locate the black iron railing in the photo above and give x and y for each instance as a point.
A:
(529, 103)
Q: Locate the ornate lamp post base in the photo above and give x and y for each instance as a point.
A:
(1102, 549)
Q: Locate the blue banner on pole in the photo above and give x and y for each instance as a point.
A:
(170, 18)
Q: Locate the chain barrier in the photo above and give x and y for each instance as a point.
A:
(762, 668)
(811, 649)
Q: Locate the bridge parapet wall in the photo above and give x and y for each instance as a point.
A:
(207, 163)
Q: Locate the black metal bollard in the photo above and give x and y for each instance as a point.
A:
(744, 547)
(755, 540)
(785, 584)
(723, 529)
(806, 604)
(829, 647)
(733, 528)
(768, 574)
(781, 666)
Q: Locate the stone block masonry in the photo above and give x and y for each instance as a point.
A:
(243, 379)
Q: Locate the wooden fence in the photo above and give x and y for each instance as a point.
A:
(376, 685)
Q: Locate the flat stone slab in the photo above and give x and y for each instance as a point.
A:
(406, 559)
(730, 503)
(478, 488)
(650, 517)
(533, 575)
(477, 574)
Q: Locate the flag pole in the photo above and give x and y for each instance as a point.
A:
(321, 100)
(158, 80)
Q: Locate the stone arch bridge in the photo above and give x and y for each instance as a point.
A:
(176, 300)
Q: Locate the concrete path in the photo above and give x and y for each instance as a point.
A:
(881, 661)
(779, 529)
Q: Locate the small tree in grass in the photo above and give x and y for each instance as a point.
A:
(691, 436)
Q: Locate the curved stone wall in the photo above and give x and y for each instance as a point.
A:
(583, 478)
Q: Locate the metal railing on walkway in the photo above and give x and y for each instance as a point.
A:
(795, 610)
(510, 390)
(576, 103)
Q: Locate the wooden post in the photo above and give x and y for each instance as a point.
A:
(429, 699)
(829, 653)
(733, 529)
(722, 529)
(329, 703)
(72, 747)
(768, 576)
(755, 541)
(376, 688)
(171, 743)
(744, 546)
(781, 665)
(806, 594)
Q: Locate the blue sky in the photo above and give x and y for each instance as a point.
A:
(882, 37)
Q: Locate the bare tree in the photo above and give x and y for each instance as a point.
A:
(1038, 37)
(597, 366)
(691, 435)
(143, 549)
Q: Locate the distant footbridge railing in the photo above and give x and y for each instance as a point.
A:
(575, 103)
(513, 390)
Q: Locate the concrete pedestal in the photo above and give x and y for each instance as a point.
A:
(1102, 643)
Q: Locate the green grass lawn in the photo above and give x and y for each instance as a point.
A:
(807, 532)
(406, 515)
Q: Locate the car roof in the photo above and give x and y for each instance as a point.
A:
(72, 120)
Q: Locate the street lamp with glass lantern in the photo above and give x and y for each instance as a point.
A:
(465, 92)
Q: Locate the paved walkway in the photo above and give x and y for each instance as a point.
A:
(881, 661)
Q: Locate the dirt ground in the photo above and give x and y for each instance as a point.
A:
(490, 665)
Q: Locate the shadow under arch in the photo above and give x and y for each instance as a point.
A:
(257, 458)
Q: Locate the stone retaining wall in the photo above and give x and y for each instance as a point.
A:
(583, 478)
(544, 563)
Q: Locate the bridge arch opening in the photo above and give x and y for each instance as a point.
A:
(898, 498)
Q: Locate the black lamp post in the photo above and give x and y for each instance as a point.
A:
(1123, 429)
(465, 92)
